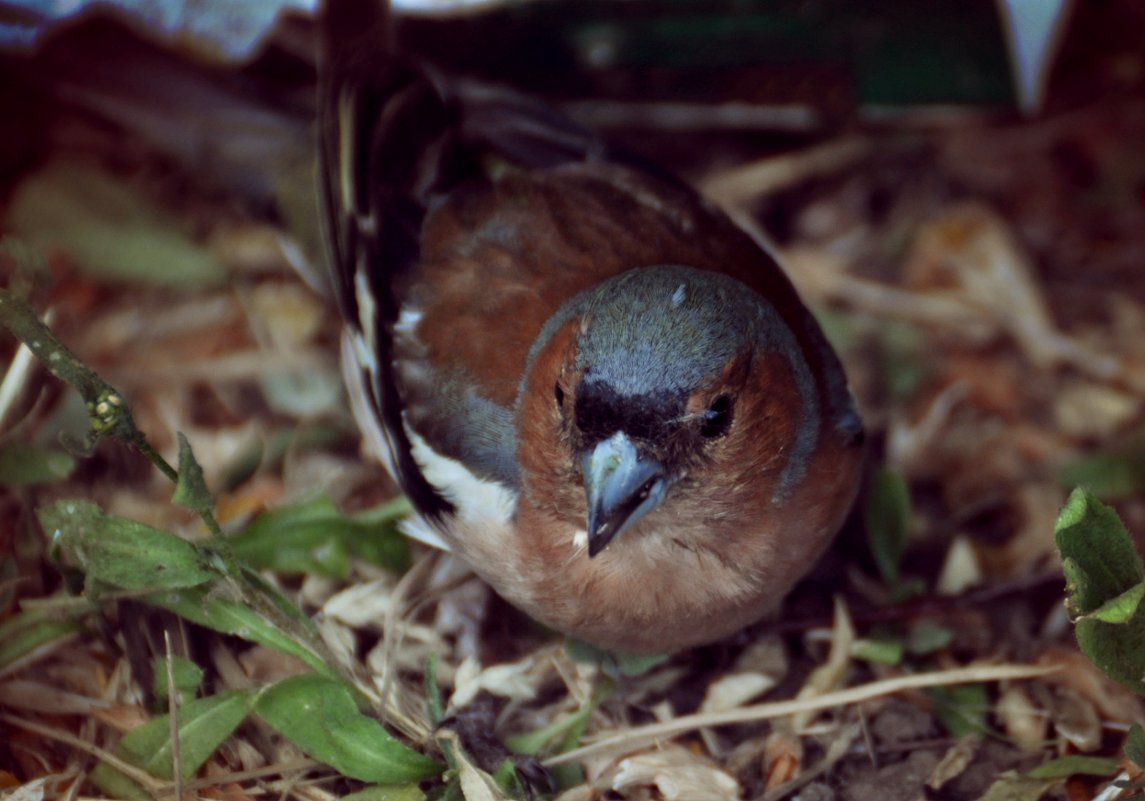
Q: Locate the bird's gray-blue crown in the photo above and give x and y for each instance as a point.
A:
(667, 330)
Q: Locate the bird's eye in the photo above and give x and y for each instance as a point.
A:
(717, 418)
(559, 395)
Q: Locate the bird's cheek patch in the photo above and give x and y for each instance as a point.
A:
(543, 447)
(566, 386)
(769, 413)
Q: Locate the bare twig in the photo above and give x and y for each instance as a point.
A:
(153, 785)
(640, 737)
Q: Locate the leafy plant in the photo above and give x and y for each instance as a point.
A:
(1105, 583)
(323, 712)
(887, 521)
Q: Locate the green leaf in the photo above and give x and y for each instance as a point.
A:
(1135, 745)
(130, 555)
(1122, 608)
(571, 775)
(302, 393)
(433, 691)
(925, 637)
(314, 537)
(452, 790)
(1103, 563)
(905, 589)
(188, 677)
(9, 575)
(319, 716)
(191, 489)
(119, 552)
(887, 517)
(380, 540)
(108, 227)
(1104, 575)
(404, 792)
(511, 782)
(962, 709)
(1117, 648)
(614, 663)
(631, 665)
(1112, 475)
(566, 732)
(1076, 584)
(22, 464)
(302, 538)
(905, 359)
(203, 725)
(207, 607)
(568, 728)
(1012, 787)
(118, 785)
(1064, 767)
(881, 651)
(33, 630)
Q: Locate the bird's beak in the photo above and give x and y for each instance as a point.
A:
(622, 486)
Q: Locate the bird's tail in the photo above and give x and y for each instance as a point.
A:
(384, 130)
(381, 126)
(393, 135)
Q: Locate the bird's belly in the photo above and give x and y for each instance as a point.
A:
(661, 603)
(669, 608)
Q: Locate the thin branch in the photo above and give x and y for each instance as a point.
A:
(108, 412)
(640, 737)
(153, 785)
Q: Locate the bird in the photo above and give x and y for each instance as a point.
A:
(594, 387)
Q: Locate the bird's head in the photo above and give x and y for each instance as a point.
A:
(666, 393)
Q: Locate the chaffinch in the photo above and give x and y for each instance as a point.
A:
(594, 387)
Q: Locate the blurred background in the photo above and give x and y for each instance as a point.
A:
(957, 187)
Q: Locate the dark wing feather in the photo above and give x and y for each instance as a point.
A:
(378, 121)
(392, 136)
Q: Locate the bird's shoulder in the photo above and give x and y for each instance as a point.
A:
(500, 257)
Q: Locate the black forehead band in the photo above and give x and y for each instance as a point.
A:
(601, 411)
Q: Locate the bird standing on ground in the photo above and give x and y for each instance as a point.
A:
(595, 388)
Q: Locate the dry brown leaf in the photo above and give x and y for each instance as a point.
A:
(995, 382)
(960, 569)
(767, 655)
(911, 444)
(249, 247)
(37, 696)
(744, 183)
(1086, 409)
(735, 689)
(1113, 701)
(580, 793)
(1076, 720)
(122, 717)
(1034, 506)
(782, 757)
(956, 759)
(1023, 721)
(969, 255)
(832, 674)
(675, 773)
(41, 789)
(476, 785)
(363, 605)
(519, 681)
